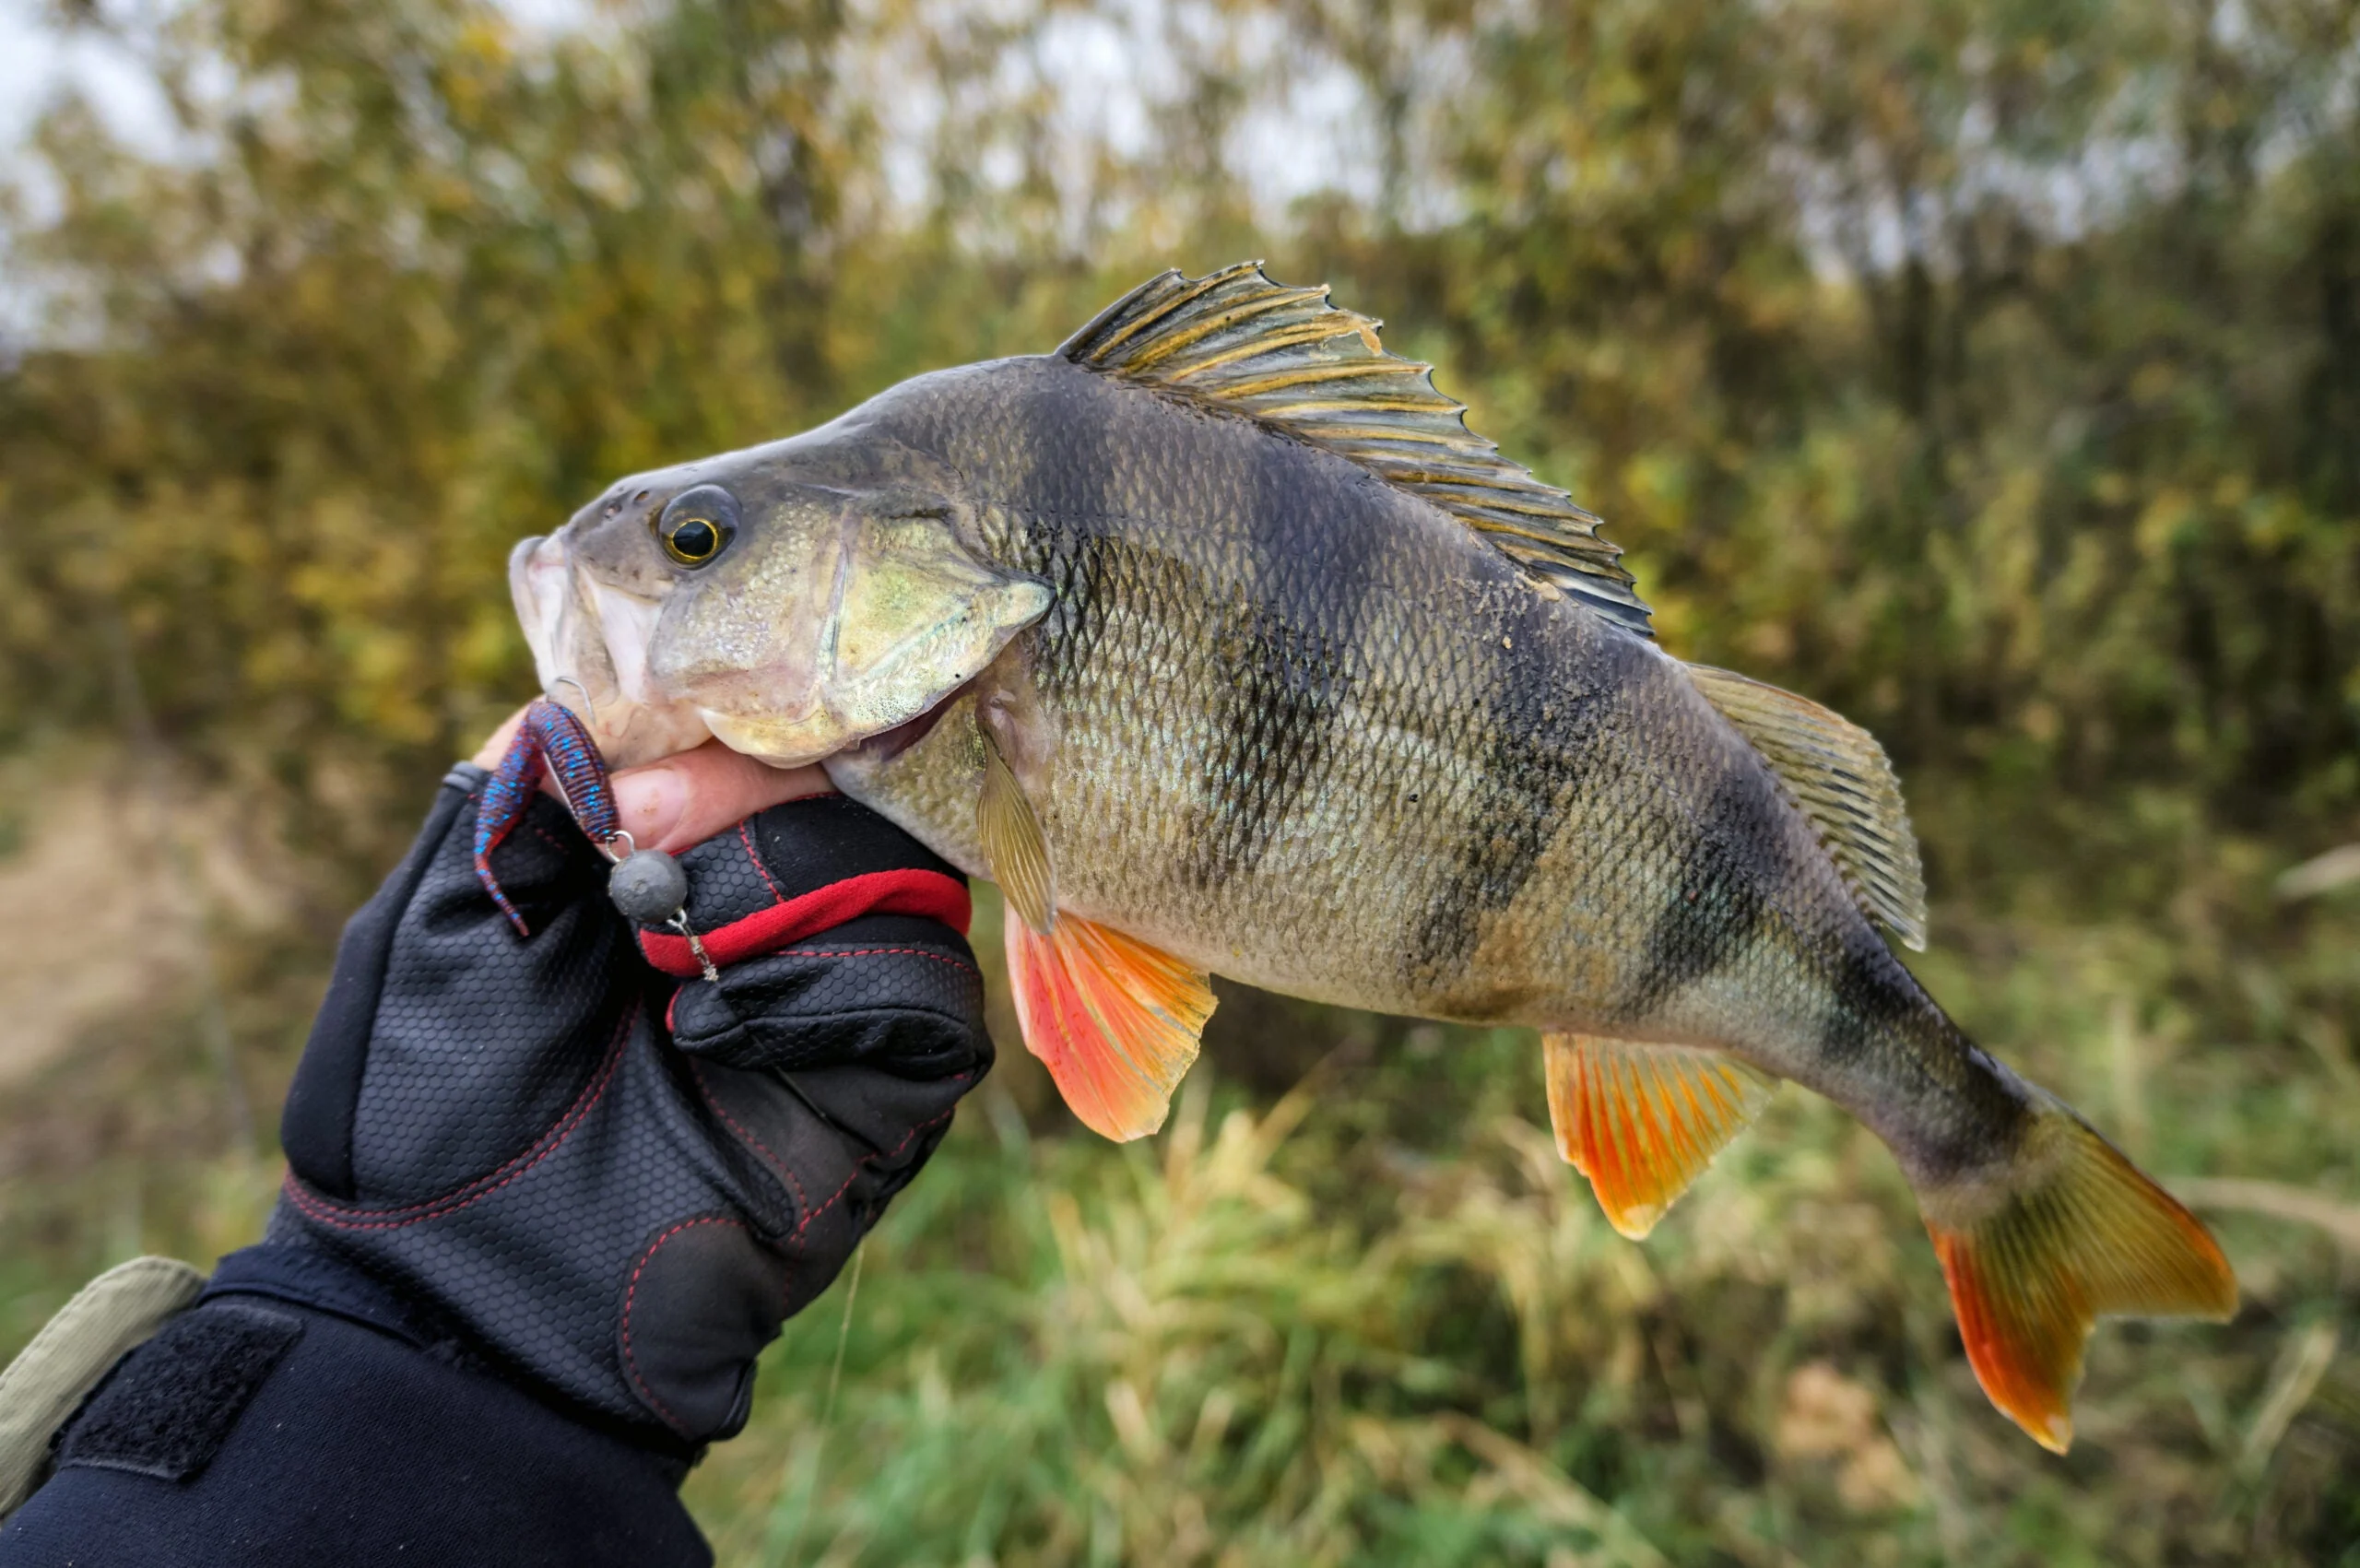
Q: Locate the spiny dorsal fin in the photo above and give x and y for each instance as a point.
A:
(1234, 339)
(1839, 775)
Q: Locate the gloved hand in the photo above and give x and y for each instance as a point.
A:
(617, 1186)
(547, 1198)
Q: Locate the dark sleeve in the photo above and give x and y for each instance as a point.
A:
(265, 1431)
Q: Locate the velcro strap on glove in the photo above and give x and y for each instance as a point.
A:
(108, 1316)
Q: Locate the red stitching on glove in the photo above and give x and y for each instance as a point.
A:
(631, 1362)
(327, 1211)
(746, 837)
(802, 1199)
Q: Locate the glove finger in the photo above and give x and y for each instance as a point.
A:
(447, 1043)
(838, 939)
(827, 1148)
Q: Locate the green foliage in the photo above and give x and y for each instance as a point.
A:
(1988, 370)
(1381, 1322)
(1991, 371)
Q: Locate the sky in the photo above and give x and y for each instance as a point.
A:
(36, 60)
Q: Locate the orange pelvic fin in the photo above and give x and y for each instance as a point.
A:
(1116, 1021)
(1641, 1122)
(2032, 1266)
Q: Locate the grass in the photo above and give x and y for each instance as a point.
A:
(1371, 1317)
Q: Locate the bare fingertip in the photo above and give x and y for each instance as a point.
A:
(650, 803)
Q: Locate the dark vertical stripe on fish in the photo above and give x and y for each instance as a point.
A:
(1716, 905)
(1871, 998)
(1065, 545)
(1286, 651)
(1976, 1111)
(1534, 736)
(1965, 1113)
(1283, 689)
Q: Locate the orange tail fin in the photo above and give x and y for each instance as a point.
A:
(2034, 1263)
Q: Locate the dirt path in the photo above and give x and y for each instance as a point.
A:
(97, 919)
(88, 927)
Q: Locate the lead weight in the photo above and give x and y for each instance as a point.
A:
(649, 887)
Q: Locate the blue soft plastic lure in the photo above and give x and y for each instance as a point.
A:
(550, 740)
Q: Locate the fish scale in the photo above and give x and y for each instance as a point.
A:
(1222, 643)
(1148, 597)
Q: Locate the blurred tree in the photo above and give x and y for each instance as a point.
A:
(1988, 369)
(1991, 371)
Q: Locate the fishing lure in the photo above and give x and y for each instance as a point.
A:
(646, 885)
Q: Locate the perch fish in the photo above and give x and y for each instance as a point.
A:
(1218, 642)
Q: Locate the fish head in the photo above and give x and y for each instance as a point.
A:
(786, 600)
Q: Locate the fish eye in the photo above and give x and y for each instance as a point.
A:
(697, 524)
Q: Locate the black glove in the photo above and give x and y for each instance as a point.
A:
(510, 1135)
(532, 1238)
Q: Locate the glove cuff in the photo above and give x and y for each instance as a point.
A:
(797, 870)
(927, 895)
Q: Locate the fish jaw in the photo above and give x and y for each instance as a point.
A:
(573, 624)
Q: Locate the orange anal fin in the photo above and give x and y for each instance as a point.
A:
(1116, 1021)
(2037, 1266)
(1643, 1121)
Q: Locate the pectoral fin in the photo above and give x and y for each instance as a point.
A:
(1116, 1021)
(1641, 1122)
(1012, 841)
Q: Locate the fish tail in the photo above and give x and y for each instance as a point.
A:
(2068, 1231)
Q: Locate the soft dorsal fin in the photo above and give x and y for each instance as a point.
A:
(1839, 776)
(1233, 339)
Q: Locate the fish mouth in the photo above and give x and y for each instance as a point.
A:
(886, 745)
(588, 641)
